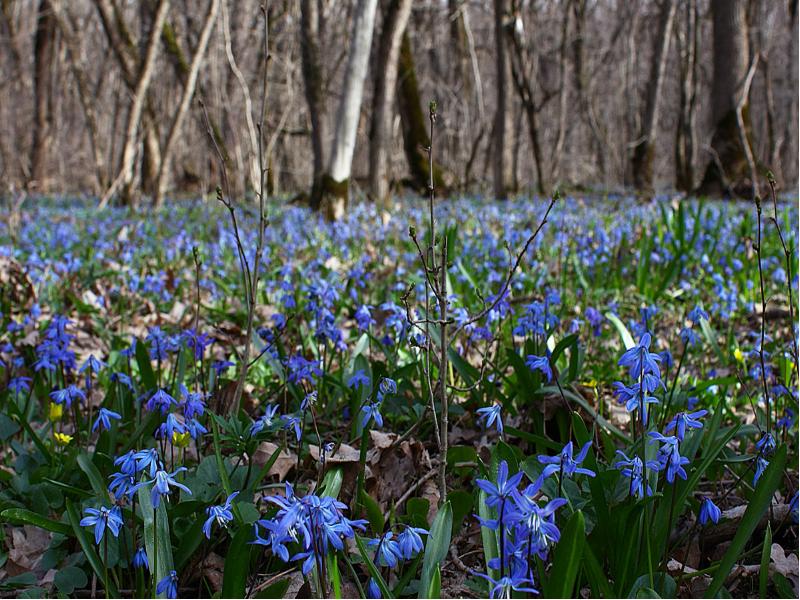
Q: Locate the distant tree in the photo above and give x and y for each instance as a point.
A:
(313, 83)
(44, 63)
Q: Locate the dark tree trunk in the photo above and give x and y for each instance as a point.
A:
(498, 147)
(44, 60)
(315, 95)
(728, 171)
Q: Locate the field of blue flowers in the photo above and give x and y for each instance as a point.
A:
(576, 398)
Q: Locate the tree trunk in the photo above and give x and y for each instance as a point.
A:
(125, 176)
(44, 61)
(642, 161)
(394, 26)
(414, 123)
(498, 147)
(728, 169)
(685, 133)
(314, 92)
(188, 94)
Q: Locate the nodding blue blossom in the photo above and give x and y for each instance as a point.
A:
(503, 586)
(387, 550)
(160, 400)
(363, 317)
(299, 369)
(640, 360)
(766, 445)
(315, 523)
(265, 421)
(669, 456)
(595, 320)
(220, 366)
(634, 397)
(197, 342)
(122, 485)
(787, 420)
(761, 466)
(122, 379)
(540, 363)
(709, 512)
(102, 519)
(168, 585)
(371, 411)
(633, 469)
(162, 482)
(67, 396)
(689, 337)
(193, 404)
(696, 314)
(104, 417)
(358, 379)
(501, 490)
(309, 400)
(147, 461)
(220, 513)
(157, 342)
(293, 422)
(19, 384)
(93, 365)
(491, 416)
(140, 559)
(683, 421)
(170, 426)
(373, 591)
(410, 541)
(564, 464)
(387, 387)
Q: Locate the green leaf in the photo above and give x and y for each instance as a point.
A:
(21, 515)
(435, 587)
(436, 546)
(627, 338)
(332, 483)
(567, 558)
(237, 565)
(763, 572)
(769, 481)
(373, 570)
(145, 368)
(712, 339)
(190, 541)
(69, 579)
(374, 514)
(88, 548)
(93, 474)
(156, 533)
(488, 536)
(598, 580)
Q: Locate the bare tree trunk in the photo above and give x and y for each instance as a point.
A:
(125, 176)
(642, 161)
(498, 147)
(728, 169)
(314, 92)
(44, 61)
(685, 142)
(394, 26)
(188, 94)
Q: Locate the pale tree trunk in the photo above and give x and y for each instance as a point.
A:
(188, 94)
(44, 61)
(644, 149)
(498, 145)
(728, 168)
(394, 26)
(125, 176)
(685, 143)
(336, 184)
(310, 30)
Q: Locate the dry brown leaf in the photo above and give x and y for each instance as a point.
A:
(26, 546)
(342, 454)
(283, 464)
(785, 564)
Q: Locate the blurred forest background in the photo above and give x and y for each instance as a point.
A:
(106, 96)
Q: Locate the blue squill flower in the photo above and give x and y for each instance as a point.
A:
(504, 487)
(265, 421)
(540, 363)
(160, 400)
(101, 520)
(371, 411)
(373, 591)
(67, 396)
(633, 468)
(640, 360)
(683, 421)
(761, 466)
(410, 541)
(168, 585)
(491, 415)
(387, 550)
(358, 379)
(564, 464)
(147, 461)
(709, 512)
(162, 483)
(140, 559)
(220, 513)
(104, 417)
(502, 587)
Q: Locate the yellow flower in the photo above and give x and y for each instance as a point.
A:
(737, 354)
(180, 440)
(56, 411)
(592, 383)
(62, 439)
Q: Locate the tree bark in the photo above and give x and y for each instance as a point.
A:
(314, 92)
(43, 63)
(394, 26)
(125, 176)
(685, 138)
(498, 147)
(728, 170)
(188, 94)
(643, 151)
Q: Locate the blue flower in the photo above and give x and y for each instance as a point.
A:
(504, 487)
(293, 422)
(102, 519)
(67, 396)
(265, 421)
(640, 360)
(358, 379)
(221, 513)
(147, 461)
(491, 414)
(387, 552)
(140, 559)
(761, 466)
(709, 511)
(168, 585)
(696, 314)
(633, 468)
(122, 484)
(19, 384)
(502, 587)
(162, 482)
(371, 411)
(541, 363)
(683, 420)
(669, 456)
(373, 591)
(161, 400)
(92, 365)
(410, 541)
(564, 464)
(766, 445)
(104, 417)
